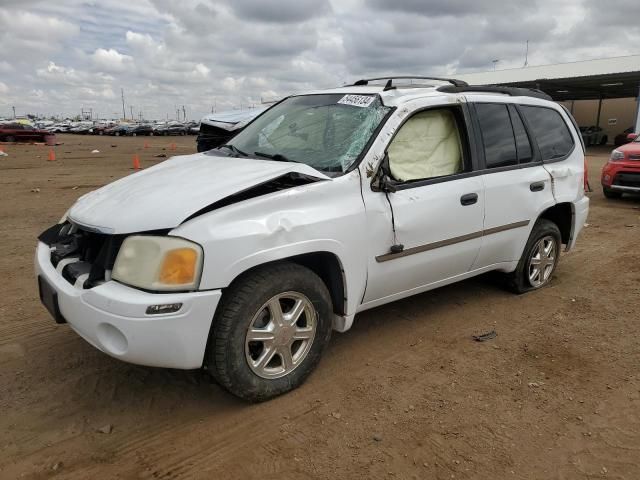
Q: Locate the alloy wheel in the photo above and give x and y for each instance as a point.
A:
(280, 335)
(542, 261)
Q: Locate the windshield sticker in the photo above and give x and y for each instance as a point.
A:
(362, 101)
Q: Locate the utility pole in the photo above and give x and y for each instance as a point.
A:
(14, 112)
(124, 113)
(184, 113)
(495, 62)
(131, 107)
(526, 55)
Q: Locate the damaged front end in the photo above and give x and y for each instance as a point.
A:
(83, 257)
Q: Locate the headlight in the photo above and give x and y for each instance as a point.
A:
(159, 263)
(616, 156)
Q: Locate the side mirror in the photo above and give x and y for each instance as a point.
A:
(632, 136)
(382, 181)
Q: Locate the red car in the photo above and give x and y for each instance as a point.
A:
(17, 132)
(621, 174)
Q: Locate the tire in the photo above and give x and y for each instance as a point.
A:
(134, 134)
(10, 139)
(250, 302)
(101, 133)
(117, 134)
(608, 193)
(544, 233)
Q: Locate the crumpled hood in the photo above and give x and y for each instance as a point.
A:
(163, 196)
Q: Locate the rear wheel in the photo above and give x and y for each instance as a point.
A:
(269, 331)
(539, 259)
(611, 193)
(10, 139)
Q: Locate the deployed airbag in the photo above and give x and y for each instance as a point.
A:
(427, 146)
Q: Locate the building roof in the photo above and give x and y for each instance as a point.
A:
(615, 77)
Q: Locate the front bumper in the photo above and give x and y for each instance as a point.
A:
(112, 317)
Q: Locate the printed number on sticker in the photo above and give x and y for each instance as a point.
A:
(357, 100)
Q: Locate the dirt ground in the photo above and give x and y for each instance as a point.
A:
(405, 394)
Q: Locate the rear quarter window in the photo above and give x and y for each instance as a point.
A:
(550, 131)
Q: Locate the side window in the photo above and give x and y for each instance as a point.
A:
(523, 146)
(428, 145)
(497, 135)
(550, 131)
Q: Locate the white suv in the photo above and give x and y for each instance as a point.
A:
(243, 259)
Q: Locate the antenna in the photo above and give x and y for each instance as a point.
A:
(526, 55)
(124, 113)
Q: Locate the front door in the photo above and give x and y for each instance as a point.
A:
(429, 229)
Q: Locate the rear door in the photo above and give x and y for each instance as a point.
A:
(517, 187)
(560, 150)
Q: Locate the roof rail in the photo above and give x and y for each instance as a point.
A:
(512, 91)
(389, 85)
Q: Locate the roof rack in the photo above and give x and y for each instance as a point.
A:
(512, 91)
(389, 85)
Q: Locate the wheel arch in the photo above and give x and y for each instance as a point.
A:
(562, 214)
(325, 264)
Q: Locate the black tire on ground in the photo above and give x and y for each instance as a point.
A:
(611, 193)
(241, 302)
(518, 281)
(10, 139)
(134, 134)
(117, 134)
(100, 132)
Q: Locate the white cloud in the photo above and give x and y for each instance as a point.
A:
(111, 60)
(79, 53)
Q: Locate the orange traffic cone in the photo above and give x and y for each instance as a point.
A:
(146, 144)
(52, 155)
(136, 162)
(172, 146)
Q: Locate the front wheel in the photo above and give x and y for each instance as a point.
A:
(269, 331)
(539, 259)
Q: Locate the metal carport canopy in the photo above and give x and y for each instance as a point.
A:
(617, 77)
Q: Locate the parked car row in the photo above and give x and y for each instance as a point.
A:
(126, 129)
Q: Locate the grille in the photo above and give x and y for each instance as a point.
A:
(634, 156)
(86, 254)
(627, 179)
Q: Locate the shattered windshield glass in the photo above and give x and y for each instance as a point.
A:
(327, 132)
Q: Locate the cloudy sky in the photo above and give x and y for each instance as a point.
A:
(57, 57)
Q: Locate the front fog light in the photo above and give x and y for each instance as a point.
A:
(163, 309)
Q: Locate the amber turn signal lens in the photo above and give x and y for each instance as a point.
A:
(179, 267)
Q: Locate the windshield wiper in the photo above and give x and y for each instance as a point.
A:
(234, 149)
(278, 157)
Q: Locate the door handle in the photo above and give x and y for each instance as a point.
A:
(536, 186)
(468, 199)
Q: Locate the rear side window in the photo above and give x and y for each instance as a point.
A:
(550, 131)
(497, 135)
